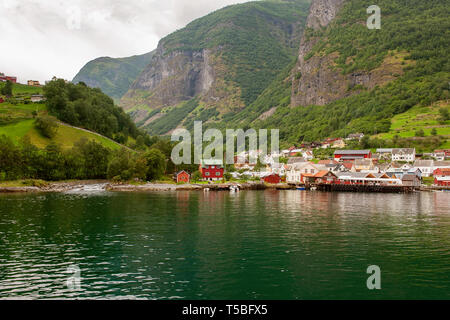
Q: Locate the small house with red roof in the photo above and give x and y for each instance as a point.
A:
(442, 177)
(272, 179)
(182, 177)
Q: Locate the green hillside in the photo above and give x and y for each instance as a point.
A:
(415, 33)
(255, 51)
(241, 48)
(36, 145)
(420, 122)
(17, 121)
(113, 75)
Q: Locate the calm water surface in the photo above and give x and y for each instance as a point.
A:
(217, 245)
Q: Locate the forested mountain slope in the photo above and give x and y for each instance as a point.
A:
(224, 60)
(113, 76)
(352, 79)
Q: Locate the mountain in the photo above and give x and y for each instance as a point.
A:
(217, 65)
(351, 79)
(113, 76)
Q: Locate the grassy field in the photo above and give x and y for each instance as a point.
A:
(17, 121)
(406, 124)
(22, 89)
(66, 136)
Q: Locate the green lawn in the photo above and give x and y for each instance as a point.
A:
(19, 89)
(417, 118)
(66, 136)
(18, 130)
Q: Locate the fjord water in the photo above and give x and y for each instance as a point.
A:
(221, 245)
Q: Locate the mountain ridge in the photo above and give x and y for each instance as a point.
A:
(113, 76)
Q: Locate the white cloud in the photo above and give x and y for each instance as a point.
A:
(43, 38)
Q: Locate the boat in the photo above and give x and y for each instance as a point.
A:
(301, 188)
(234, 188)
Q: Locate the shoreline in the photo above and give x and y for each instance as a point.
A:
(105, 185)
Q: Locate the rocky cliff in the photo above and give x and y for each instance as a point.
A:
(226, 59)
(316, 78)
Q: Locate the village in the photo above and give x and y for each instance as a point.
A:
(380, 170)
(35, 98)
(344, 169)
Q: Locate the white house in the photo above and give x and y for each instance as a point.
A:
(425, 166)
(404, 154)
(295, 171)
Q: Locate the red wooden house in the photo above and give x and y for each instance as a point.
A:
(1, 100)
(442, 181)
(441, 172)
(182, 177)
(442, 177)
(8, 78)
(326, 177)
(212, 169)
(272, 179)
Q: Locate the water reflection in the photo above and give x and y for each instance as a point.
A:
(220, 245)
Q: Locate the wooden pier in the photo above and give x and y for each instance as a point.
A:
(364, 188)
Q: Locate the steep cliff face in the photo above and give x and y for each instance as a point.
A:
(316, 78)
(226, 59)
(322, 12)
(314, 82)
(172, 78)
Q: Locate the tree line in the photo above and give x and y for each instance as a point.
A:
(87, 159)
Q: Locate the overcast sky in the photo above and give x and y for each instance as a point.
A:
(45, 38)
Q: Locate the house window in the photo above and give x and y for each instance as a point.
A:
(218, 174)
(207, 174)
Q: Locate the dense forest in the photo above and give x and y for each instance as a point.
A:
(81, 106)
(85, 160)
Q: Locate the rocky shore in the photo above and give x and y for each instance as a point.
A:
(100, 185)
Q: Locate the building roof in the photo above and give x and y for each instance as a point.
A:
(322, 173)
(363, 162)
(326, 162)
(409, 177)
(351, 152)
(212, 162)
(404, 151)
(423, 163)
(352, 174)
(348, 165)
(294, 160)
(384, 150)
(445, 171)
(444, 164)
